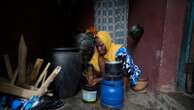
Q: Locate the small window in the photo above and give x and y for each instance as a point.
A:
(110, 12)
(104, 13)
(110, 28)
(104, 28)
(104, 4)
(99, 5)
(110, 20)
(99, 13)
(110, 4)
(99, 27)
(123, 18)
(104, 20)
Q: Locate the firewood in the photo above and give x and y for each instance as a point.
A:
(22, 55)
(42, 75)
(17, 91)
(44, 87)
(44, 78)
(8, 66)
(27, 93)
(36, 69)
(14, 76)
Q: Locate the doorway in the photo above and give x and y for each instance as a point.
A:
(187, 47)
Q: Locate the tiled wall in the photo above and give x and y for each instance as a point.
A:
(112, 16)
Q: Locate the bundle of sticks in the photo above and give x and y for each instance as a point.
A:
(35, 85)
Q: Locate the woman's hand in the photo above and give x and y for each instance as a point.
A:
(94, 81)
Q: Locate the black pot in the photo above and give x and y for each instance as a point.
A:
(113, 70)
(113, 67)
(67, 82)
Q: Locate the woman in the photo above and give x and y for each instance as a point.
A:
(106, 50)
(86, 44)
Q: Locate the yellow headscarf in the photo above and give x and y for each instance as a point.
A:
(110, 47)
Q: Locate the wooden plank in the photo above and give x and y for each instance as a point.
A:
(22, 55)
(27, 93)
(8, 66)
(36, 69)
(42, 74)
(17, 91)
(45, 85)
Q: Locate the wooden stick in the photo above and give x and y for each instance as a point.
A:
(22, 55)
(43, 88)
(14, 76)
(8, 66)
(36, 69)
(44, 78)
(42, 75)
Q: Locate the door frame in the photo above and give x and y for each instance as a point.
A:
(186, 46)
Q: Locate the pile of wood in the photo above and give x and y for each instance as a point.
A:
(20, 84)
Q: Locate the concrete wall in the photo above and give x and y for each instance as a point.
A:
(150, 14)
(158, 51)
(171, 45)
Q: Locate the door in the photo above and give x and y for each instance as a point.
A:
(187, 48)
